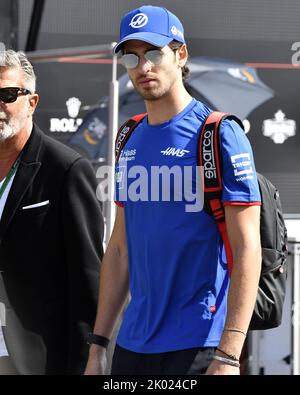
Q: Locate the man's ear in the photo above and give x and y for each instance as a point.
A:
(182, 55)
(33, 101)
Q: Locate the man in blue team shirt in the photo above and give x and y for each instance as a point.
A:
(183, 314)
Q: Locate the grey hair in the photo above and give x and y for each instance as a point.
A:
(10, 59)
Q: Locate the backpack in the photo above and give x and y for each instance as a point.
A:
(272, 283)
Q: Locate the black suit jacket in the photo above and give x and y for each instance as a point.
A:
(49, 258)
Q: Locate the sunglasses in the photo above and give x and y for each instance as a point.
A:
(10, 94)
(154, 56)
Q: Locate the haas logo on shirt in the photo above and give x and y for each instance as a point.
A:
(175, 152)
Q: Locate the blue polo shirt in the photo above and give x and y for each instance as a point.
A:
(177, 268)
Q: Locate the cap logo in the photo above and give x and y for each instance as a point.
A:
(176, 32)
(139, 20)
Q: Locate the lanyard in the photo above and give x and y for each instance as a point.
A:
(9, 176)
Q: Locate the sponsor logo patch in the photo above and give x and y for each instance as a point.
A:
(128, 155)
(176, 32)
(138, 21)
(242, 166)
(173, 151)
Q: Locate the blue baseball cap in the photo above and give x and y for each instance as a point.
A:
(154, 25)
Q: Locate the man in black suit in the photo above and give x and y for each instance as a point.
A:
(51, 230)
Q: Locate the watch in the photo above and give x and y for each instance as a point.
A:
(97, 339)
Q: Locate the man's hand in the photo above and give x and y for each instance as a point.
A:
(220, 368)
(97, 361)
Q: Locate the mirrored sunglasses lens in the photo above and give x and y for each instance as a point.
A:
(130, 60)
(154, 56)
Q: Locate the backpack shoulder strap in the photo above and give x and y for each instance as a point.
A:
(210, 159)
(125, 132)
(209, 153)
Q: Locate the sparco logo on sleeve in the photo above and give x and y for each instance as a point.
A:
(139, 20)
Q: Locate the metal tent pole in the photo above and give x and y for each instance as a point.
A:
(113, 128)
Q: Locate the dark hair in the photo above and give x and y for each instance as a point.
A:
(174, 45)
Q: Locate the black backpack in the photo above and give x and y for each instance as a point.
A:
(269, 302)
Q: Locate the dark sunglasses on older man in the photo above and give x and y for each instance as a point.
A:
(10, 94)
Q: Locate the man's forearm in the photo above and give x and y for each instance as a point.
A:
(113, 291)
(241, 298)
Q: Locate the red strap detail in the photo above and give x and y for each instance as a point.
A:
(215, 204)
(213, 192)
(217, 209)
(224, 235)
(217, 152)
(219, 215)
(138, 117)
(215, 117)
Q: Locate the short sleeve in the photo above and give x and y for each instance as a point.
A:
(240, 185)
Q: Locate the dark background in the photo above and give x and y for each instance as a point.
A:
(256, 31)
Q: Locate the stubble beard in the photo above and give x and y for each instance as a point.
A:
(155, 93)
(11, 128)
(149, 94)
